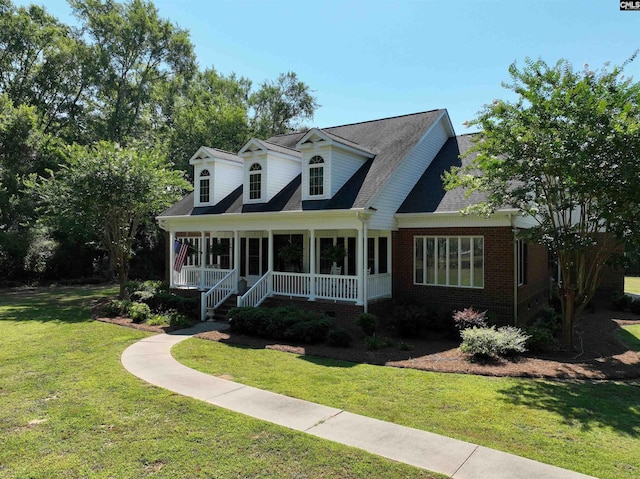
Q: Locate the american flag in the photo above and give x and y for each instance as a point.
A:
(180, 250)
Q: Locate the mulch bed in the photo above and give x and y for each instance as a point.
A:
(599, 355)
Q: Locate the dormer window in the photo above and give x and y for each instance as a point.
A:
(205, 190)
(316, 176)
(255, 182)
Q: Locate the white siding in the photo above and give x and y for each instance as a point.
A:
(406, 176)
(325, 152)
(227, 177)
(343, 166)
(280, 172)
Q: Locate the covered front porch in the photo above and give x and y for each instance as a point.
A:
(346, 265)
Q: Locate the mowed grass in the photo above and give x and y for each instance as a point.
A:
(632, 284)
(68, 409)
(630, 335)
(587, 426)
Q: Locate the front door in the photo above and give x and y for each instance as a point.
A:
(253, 258)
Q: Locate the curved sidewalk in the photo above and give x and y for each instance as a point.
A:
(150, 359)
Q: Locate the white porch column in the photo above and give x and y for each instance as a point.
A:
(236, 257)
(359, 265)
(365, 269)
(312, 265)
(203, 258)
(270, 261)
(172, 256)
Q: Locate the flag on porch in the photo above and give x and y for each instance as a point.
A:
(180, 250)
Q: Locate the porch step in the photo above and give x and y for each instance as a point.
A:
(220, 313)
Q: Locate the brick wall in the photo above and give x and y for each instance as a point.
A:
(498, 291)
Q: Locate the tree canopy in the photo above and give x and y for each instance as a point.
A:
(123, 75)
(566, 153)
(108, 192)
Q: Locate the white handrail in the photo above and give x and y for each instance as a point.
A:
(218, 294)
(257, 293)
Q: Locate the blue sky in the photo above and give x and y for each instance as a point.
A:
(369, 59)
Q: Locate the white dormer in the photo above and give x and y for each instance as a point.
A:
(216, 173)
(328, 163)
(268, 168)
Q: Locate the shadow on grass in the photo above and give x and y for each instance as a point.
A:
(629, 339)
(583, 404)
(61, 304)
(316, 354)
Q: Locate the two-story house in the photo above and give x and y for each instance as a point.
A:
(344, 219)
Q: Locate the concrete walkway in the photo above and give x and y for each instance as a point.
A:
(151, 360)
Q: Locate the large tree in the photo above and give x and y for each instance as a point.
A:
(566, 153)
(106, 193)
(45, 64)
(213, 112)
(280, 106)
(137, 54)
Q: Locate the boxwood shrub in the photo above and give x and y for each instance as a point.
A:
(279, 323)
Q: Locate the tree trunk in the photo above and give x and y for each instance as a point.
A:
(568, 319)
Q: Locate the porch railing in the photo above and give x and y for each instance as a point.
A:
(292, 284)
(343, 288)
(218, 293)
(378, 285)
(258, 292)
(191, 277)
(188, 277)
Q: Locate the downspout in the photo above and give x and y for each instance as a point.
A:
(515, 274)
(362, 273)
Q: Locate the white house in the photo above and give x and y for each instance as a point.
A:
(350, 215)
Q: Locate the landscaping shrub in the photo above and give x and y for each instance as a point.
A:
(368, 322)
(139, 312)
(279, 323)
(634, 306)
(144, 291)
(179, 321)
(373, 343)
(117, 307)
(312, 331)
(158, 320)
(541, 340)
(410, 319)
(469, 318)
(340, 338)
(484, 343)
(621, 301)
(548, 318)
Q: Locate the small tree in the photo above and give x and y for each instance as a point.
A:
(567, 154)
(105, 194)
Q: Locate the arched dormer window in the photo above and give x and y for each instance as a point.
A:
(205, 193)
(316, 176)
(255, 182)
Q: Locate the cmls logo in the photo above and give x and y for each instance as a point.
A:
(630, 5)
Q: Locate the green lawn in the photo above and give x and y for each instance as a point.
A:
(68, 409)
(587, 426)
(632, 284)
(631, 336)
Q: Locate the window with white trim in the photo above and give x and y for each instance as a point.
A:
(522, 262)
(205, 192)
(449, 261)
(255, 182)
(316, 176)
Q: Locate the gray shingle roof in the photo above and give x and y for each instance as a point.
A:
(225, 155)
(390, 139)
(429, 195)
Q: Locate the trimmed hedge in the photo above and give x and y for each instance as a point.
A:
(279, 323)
